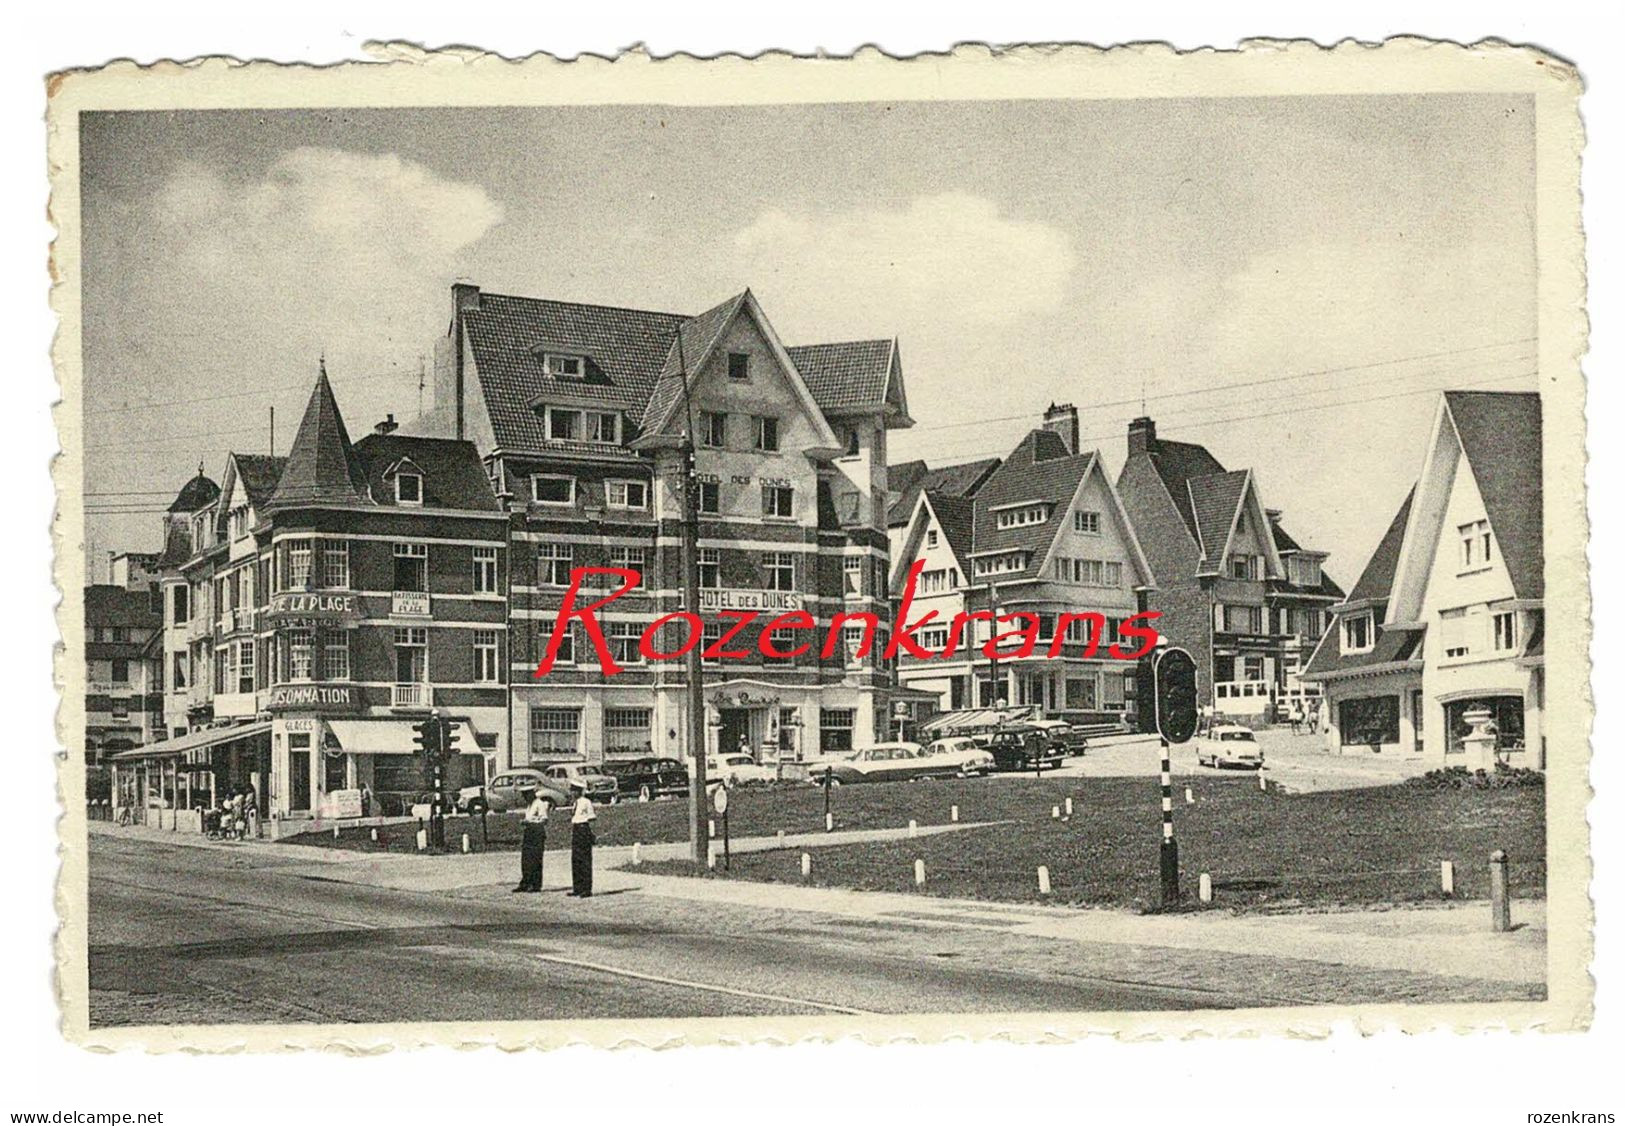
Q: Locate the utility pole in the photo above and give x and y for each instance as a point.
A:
(699, 837)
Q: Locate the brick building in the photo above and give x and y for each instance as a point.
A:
(579, 412)
(123, 670)
(1234, 588)
(332, 599)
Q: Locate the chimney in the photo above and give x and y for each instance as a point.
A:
(388, 426)
(1142, 436)
(1063, 420)
(465, 296)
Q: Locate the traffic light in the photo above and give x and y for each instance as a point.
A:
(427, 736)
(448, 737)
(1175, 675)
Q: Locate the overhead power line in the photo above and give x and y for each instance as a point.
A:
(1142, 400)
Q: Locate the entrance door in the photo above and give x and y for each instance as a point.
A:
(332, 772)
(735, 727)
(298, 773)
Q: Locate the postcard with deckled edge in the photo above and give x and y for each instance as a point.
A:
(1022, 543)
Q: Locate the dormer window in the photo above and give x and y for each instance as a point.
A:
(565, 424)
(1019, 516)
(408, 487)
(563, 366)
(1358, 634)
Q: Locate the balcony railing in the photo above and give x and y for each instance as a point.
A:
(404, 696)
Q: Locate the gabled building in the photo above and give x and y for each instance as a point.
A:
(1234, 589)
(334, 598)
(1439, 650)
(188, 515)
(908, 481)
(579, 413)
(1046, 534)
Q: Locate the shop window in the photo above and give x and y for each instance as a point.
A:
(1368, 721)
(835, 729)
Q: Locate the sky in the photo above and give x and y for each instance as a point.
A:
(1288, 281)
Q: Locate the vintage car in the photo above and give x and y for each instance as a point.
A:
(1229, 745)
(510, 790)
(963, 753)
(649, 778)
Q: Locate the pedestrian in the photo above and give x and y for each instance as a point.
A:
(581, 838)
(366, 800)
(1294, 716)
(237, 822)
(1314, 717)
(534, 845)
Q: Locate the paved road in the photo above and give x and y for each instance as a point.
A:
(182, 935)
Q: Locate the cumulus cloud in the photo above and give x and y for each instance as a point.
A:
(949, 261)
(345, 251)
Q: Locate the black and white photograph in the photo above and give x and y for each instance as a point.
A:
(936, 560)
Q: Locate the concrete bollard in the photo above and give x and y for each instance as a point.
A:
(1500, 906)
(829, 822)
(423, 840)
(465, 843)
(1263, 785)
(637, 853)
(1043, 879)
(1055, 813)
(781, 838)
(1190, 798)
(711, 858)
(1447, 877)
(375, 835)
(335, 832)
(913, 828)
(919, 873)
(1068, 807)
(806, 865)
(953, 813)
(711, 829)
(1204, 888)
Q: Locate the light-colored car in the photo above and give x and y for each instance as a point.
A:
(510, 790)
(1229, 745)
(962, 753)
(578, 778)
(886, 762)
(736, 768)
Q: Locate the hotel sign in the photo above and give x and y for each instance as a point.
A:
(315, 606)
(764, 601)
(338, 698)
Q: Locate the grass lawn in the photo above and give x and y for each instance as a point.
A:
(1269, 851)
(1264, 851)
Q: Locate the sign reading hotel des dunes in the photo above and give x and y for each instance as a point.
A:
(746, 606)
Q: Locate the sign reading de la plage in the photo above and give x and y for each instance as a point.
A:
(317, 605)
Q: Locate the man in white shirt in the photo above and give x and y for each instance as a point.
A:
(533, 846)
(581, 841)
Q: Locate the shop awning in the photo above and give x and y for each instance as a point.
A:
(392, 736)
(977, 719)
(192, 742)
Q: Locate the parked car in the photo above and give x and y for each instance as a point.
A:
(1229, 745)
(1024, 748)
(579, 778)
(886, 762)
(962, 753)
(736, 769)
(510, 790)
(1067, 739)
(649, 778)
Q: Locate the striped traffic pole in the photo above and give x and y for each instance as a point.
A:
(1170, 850)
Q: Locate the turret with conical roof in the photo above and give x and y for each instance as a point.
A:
(322, 467)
